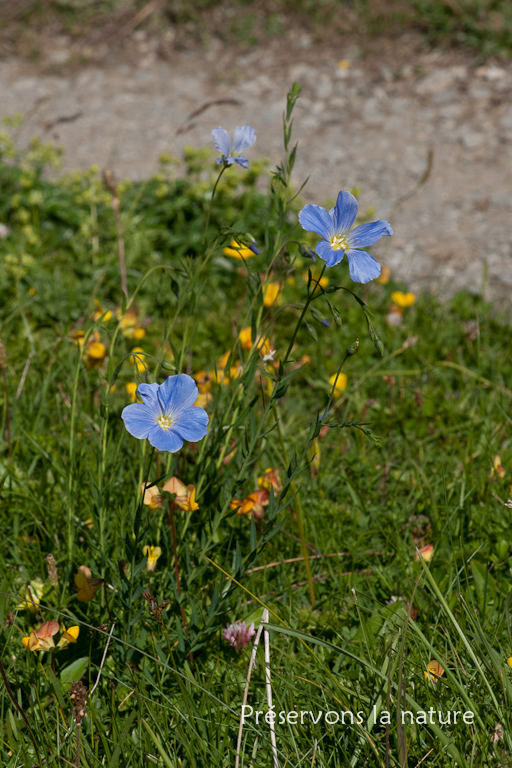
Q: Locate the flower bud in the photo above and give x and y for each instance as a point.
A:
(352, 348)
(307, 252)
(379, 346)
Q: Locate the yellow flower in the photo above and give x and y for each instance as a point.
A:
(130, 327)
(384, 276)
(262, 343)
(271, 294)
(238, 250)
(497, 467)
(509, 661)
(152, 553)
(101, 314)
(270, 479)
(68, 636)
(152, 497)
(139, 359)
(131, 389)
(341, 384)
(86, 586)
(435, 671)
(32, 596)
(403, 300)
(42, 639)
(185, 494)
(252, 504)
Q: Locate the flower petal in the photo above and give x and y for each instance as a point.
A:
(362, 266)
(138, 419)
(178, 392)
(222, 140)
(368, 234)
(242, 161)
(314, 218)
(149, 394)
(344, 212)
(165, 439)
(191, 424)
(328, 254)
(243, 138)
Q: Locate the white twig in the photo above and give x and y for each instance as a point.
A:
(23, 376)
(103, 659)
(246, 691)
(266, 640)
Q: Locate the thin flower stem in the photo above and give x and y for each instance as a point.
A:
(211, 202)
(331, 394)
(309, 299)
(264, 620)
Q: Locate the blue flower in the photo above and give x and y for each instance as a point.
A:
(334, 227)
(168, 415)
(243, 138)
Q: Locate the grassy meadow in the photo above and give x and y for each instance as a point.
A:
(359, 492)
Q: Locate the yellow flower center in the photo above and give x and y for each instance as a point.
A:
(164, 421)
(339, 243)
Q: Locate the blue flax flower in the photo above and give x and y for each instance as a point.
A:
(167, 416)
(243, 138)
(334, 227)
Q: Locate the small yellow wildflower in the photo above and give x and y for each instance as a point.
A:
(238, 250)
(152, 497)
(403, 300)
(86, 585)
(42, 639)
(101, 314)
(341, 384)
(185, 494)
(497, 467)
(509, 661)
(32, 596)
(131, 389)
(68, 636)
(139, 359)
(152, 553)
(271, 294)
(434, 671)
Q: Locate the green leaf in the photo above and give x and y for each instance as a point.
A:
(73, 672)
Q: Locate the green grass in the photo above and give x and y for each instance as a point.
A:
(438, 407)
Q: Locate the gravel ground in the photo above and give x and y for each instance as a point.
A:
(369, 122)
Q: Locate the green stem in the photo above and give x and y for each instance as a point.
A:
(309, 299)
(211, 202)
(331, 394)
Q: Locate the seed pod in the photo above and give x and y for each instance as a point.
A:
(352, 348)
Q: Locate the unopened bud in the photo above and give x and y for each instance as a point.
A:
(252, 247)
(352, 349)
(307, 252)
(380, 346)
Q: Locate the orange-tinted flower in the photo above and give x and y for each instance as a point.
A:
(497, 468)
(42, 639)
(252, 504)
(434, 671)
(384, 276)
(270, 479)
(185, 494)
(152, 497)
(426, 553)
(86, 585)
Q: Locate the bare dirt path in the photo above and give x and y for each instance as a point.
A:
(369, 123)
